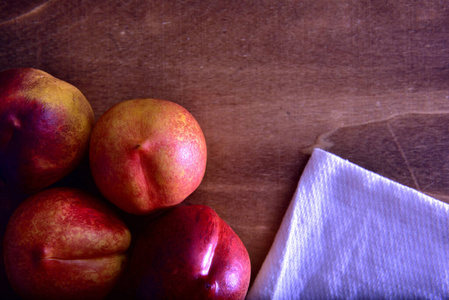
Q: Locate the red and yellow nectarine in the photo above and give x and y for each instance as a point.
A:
(62, 243)
(147, 154)
(45, 125)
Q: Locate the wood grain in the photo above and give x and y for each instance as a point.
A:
(264, 79)
(412, 149)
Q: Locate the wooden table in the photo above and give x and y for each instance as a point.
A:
(267, 81)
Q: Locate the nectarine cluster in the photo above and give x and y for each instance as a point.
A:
(146, 156)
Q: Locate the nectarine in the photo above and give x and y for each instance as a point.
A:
(189, 252)
(45, 125)
(62, 243)
(147, 154)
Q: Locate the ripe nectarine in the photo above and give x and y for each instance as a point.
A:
(147, 154)
(62, 243)
(45, 125)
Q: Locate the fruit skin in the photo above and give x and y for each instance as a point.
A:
(45, 125)
(147, 154)
(63, 243)
(189, 253)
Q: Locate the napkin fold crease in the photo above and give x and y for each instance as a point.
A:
(349, 233)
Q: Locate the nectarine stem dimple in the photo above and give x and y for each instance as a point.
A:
(12, 123)
(15, 122)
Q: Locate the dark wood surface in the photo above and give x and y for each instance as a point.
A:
(267, 80)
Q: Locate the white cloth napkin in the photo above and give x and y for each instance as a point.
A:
(350, 233)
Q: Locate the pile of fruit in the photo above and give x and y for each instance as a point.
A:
(146, 156)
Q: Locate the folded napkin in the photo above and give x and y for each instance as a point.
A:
(350, 233)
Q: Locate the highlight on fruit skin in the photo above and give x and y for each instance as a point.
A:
(45, 127)
(63, 243)
(147, 154)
